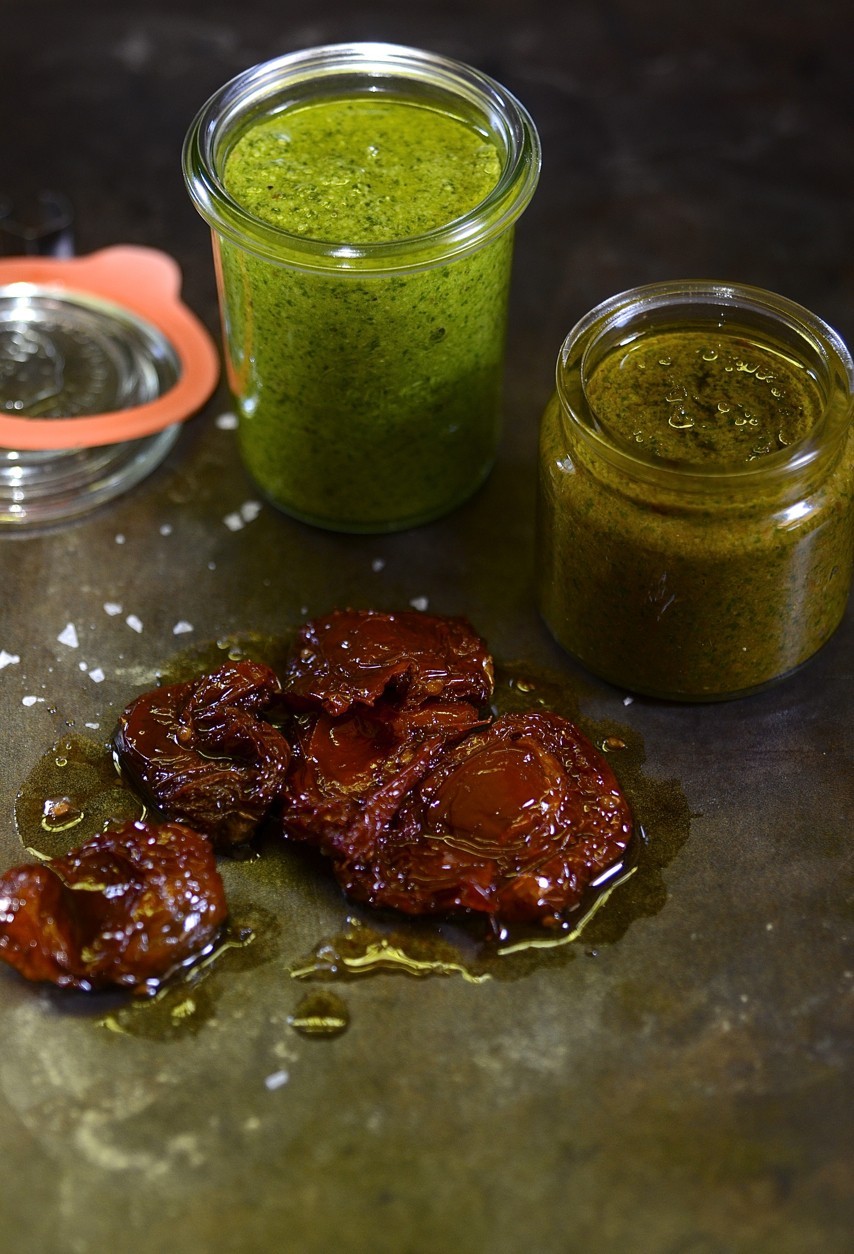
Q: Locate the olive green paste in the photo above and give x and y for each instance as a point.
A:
(367, 401)
(699, 397)
(692, 565)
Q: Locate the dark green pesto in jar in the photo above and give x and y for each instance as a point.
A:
(685, 551)
(702, 398)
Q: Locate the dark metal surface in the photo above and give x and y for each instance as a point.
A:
(682, 1089)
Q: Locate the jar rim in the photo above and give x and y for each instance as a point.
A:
(647, 302)
(363, 67)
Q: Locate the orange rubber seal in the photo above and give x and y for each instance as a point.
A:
(145, 282)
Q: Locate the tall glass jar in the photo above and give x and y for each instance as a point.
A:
(711, 573)
(366, 369)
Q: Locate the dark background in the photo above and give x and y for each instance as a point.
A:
(684, 1089)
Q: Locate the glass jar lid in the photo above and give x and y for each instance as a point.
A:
(99, 363)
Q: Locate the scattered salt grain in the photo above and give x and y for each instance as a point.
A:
(8, 659)
(166, 529)
(628, 700)
(377, 564)
(31, 700)
(112, 608)
(276, 1080)
(182, 628)
(134, 623)
(419, 603)
(96, 675)
(92, 726)
(120, 538)
(227, 422)
(68, 636)
(247, 513)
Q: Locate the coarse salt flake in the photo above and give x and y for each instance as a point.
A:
(8, 659)
(182, 627)
(166, 529)
(276, 1080)
(377, 564)
(247, 513)
(68, 636)
(227, 422)
(96, 675)
(31, 700)
(112, 608)
(134, 622)
(419, 603)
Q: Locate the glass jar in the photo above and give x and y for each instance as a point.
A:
(366, 372)
(704, 574)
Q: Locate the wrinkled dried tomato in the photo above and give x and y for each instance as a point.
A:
(361, 656)
(349, 774)
(515, 822)
(202, 753)
(125, 908)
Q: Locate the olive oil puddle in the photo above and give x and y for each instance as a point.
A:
(75, 790)
(70, 795)
(181, 1002)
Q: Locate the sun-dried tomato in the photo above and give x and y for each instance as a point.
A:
(515, 822)
(125, 908)
(349, 774)
(202, 753)
(361, 656)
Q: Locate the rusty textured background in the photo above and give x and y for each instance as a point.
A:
(682, 1089)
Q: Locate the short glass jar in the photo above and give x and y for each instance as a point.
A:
(367, 372)
(711, 574)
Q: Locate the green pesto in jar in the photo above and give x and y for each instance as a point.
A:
(361, 170)
(367, 401)
(703, 398)
(685, 552)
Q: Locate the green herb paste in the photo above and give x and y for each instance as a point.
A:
(367, 401)
(690, 566)
(703, 398)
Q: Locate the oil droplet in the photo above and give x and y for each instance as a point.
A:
(611, 743)
(60, 813)
(710, 354)
(320, 1014)
(681, 421)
